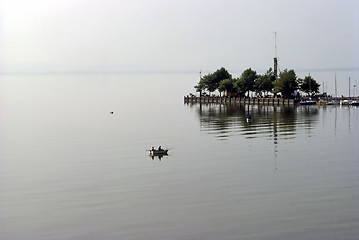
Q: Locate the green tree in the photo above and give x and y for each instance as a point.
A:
(201, 86)
(247, 80)
(211, 81)
(218, 76)
(227, 85)
(287, 83)
(264, 83)
(239, 86)
(309, 85)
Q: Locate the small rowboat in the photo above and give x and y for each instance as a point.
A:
(158, 152)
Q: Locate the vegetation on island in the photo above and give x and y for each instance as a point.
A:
(286, 84)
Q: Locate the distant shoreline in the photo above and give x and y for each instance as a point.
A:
(130, 72)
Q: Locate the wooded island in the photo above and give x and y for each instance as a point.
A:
(287, 84)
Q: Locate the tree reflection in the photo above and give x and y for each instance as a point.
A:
(275, 123)
(272, 122)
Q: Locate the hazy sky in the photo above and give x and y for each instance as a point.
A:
(181, 35)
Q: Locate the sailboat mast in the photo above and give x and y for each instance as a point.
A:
(336, 91)
(349, 86)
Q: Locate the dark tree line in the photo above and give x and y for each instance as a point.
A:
(285, 84)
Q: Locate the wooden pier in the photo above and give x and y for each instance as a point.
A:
(235, 100)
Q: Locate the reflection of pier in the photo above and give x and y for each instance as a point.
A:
(226, 120)
(275, 124)
(236, 100)
(269, 121)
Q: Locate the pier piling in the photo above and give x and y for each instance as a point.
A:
(236, 100)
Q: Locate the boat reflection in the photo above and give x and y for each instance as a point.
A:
(157, 156)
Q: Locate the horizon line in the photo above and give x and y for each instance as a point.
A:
(130, 72)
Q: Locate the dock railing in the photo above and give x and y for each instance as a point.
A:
(236, 100)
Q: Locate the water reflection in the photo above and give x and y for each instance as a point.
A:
(271, 122)
(159, 157)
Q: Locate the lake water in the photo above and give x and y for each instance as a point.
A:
(71, 170)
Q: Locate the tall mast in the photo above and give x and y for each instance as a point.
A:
(336, 92)
(275, 44)
(275, 70)
(349, 86)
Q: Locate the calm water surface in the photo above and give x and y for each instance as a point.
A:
(71, 170)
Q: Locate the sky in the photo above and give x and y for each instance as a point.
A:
(177, 36)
